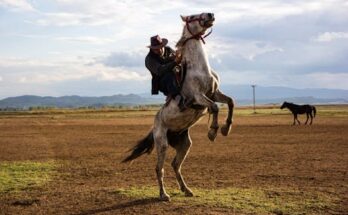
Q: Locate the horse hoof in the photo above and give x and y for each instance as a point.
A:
(165, 198)
(188, 192)
(225, 129)
(212, 134)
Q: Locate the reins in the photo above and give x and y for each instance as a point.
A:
(199, 35)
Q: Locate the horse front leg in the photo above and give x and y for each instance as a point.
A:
(182, 147)
(220, 97)
(213, 109)
(299, 123)
(307, 118)
(310, 114)
(161, 143)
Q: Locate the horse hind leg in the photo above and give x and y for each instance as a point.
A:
(310, 114)
(214, 109)
(161, 144)
(220, 97)
(214, 124)
(182, 147)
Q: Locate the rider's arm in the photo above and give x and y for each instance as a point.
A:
(159, 69)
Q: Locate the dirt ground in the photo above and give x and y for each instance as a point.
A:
(262, 151)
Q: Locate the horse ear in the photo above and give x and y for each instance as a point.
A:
(183, 18)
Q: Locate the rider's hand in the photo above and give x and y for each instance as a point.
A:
(172, 56)
(178, 56)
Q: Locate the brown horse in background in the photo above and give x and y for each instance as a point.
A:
(300, 109)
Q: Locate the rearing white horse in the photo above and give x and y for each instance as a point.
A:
(171, 127)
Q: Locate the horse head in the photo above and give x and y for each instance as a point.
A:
(196, 26)
(284, 105)
(198, 23)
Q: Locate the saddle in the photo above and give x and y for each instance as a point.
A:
(180, 74)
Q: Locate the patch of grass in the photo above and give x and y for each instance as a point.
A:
(247, 200)
(322, 110)
(16, 176)
(261, 110)
(82, 112)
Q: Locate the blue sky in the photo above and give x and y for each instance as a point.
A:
(97, 47)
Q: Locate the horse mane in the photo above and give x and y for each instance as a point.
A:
(180, 43)
(182, 40)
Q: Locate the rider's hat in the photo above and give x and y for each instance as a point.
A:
(157, 42)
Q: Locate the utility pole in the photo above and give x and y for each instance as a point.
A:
(253, 86)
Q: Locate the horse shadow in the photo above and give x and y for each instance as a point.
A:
(116, 207)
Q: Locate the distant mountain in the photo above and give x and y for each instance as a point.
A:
(75, 101)
(296, 100)
(274, 95)
(245, 92)
(241, 93)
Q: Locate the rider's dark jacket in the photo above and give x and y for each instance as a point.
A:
(159, 66)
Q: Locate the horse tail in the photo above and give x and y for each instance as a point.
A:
(145, 145)
(314, 111)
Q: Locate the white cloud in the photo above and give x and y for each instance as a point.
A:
(253, 41)
(87, 39)
(40, 72)
(245, 49)
(120, 74)
(71, 19)
(263, 11)
(312, 80)
(123, 59)
(107, 12)
(23, 62)
(0, 78)
(330, 36)
(244, 77)
(96, 72)
(140, 13)
(17, 5)
(328, 80)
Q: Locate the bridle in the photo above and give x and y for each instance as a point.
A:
(199, 35)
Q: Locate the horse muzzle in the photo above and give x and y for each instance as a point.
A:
(209, 23)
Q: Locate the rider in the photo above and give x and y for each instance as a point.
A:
(162, 61)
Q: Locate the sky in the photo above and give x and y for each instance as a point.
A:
(97, 47)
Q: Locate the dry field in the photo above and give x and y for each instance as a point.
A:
(68, 162)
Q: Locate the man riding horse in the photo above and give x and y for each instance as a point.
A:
(172, 126)
(163, 63)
